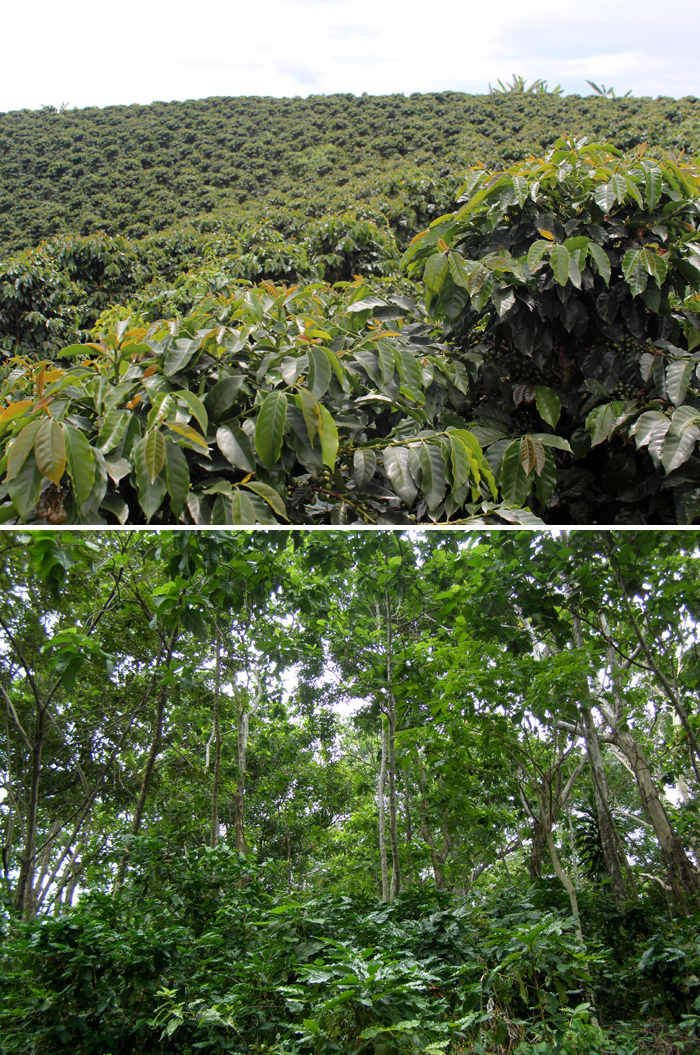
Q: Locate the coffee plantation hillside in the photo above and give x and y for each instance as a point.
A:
(135, 169)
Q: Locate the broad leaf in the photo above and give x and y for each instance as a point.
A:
(177, 477)
(396, 465)
(22, 444)
(548, 405)
(319, 376)
(271, 496)
(25, 486)
(222, 396)
(433, 483)
(80, 462)
(269, 428)
(236, 446)
(560, 261)
(50, 451)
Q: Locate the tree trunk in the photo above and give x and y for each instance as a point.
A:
(24, 892)
(391, 713)
(617, 866)
(381, 779)
(539, 841)
(245, 709)
(214, 836)
(145, 785)
(409, 834)
(683, 876)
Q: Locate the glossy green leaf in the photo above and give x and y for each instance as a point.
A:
(319, 376)
(154, 453)
(653, 184)
(242, 509)
(548, 405)
(677, 449)
(600, 423)
(536, 251)
(601, 260)
(191, 437)
(678, 375)
(605, 196)
(50, 451)
(221, 398)
(177, 477)
(270, 496)
(236, 446)
(560, 260)
(269, 428)
(460, 269)
(25, 486)
(329, 438)
(80, 462)
(196, 406)
(396, 465)
(112, 430)
(432, 465)
(151, 489)
(179, 356)
(22, 444)
(364, 463)
(513, 482)
(436, 269)
(546, 480)
(634, 271)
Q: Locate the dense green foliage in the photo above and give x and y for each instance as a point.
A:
(135, 169)
(435, 871)
(577, 404)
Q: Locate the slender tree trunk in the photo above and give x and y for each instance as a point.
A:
(381, 780)
(539, 841)
(245, 708)
(391, 712)
(409, 833)
(145, 785)
(437, 857)
(213, 839)
(617, 866)
(24, 892)
(684, 877)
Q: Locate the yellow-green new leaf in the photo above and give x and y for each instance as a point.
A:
(270, 496)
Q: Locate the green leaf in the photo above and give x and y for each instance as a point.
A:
(154, 452)
(236, 446)
(151, 490)
(80, 462)
(646, 425)
(311, 409)
(269, 428)
(222, 396)
(460, 461)
(50, 451)
(654, 182)
(619, 185)
(513, 481)
(192, 438)
(432, 465)
(270, 496)
(460, 270)
(364, 463)
(601, 259)
(536, 252)
(179, 355)
(22, 444)
(548, 405)
(177, 477)
(387, 362)
(605, 196)
(560, 261)
(600, 423)
(242, 509)
(319, 376)
(503, 299)
(435, 272)
(25, 486)
(396, 465)
(196, 406)
(329, 439)
(112, 430)
(634, 271)
(678, 375)
(546, 481)
(677, 449)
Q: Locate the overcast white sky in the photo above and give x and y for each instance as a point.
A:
(138, 51)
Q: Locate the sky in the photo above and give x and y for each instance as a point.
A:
(137, 51)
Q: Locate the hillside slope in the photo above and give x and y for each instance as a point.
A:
(136, 169)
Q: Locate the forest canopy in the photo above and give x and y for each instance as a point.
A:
(303, 792)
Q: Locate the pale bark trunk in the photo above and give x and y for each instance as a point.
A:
(245, 708)
(381, 779)
(145, 785)
(684, 877)
(391, 713)
(214, 836)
